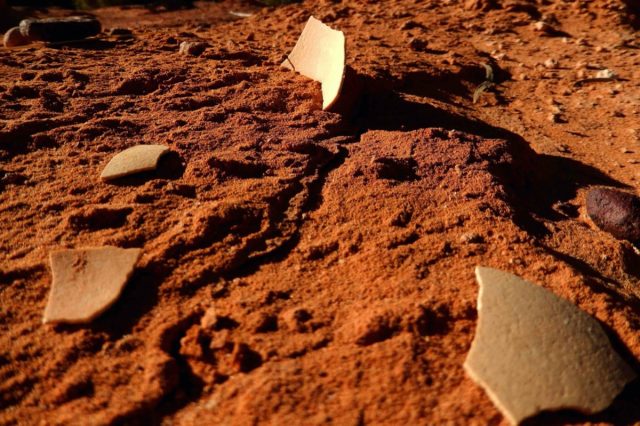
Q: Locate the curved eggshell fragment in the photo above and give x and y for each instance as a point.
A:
(535, 351)
(320, 55)
(139, 158)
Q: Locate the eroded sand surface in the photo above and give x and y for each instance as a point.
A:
(300, 267)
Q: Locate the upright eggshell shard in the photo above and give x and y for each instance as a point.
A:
(139, 158)
(535, 351)
(320, 55)
(86, 282)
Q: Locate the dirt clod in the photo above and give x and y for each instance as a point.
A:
(616, 212)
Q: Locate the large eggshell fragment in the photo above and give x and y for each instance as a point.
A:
(139, 158)
(320, 55)
(535, 351)
(87, 281)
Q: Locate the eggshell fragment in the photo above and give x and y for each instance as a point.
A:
(86, 282)
(320, 55)
(139, 158)
(535, 351)
(13, 37)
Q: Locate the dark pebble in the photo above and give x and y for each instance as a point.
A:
(616, 212)
(60, 29)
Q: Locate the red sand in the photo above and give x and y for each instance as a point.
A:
(301, 267)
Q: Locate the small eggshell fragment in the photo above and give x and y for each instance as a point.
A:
(139, 158)
(14, 37)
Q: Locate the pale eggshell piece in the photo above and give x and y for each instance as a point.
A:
(86, 282)
(535, 351)
(320, 55)
(139, 158)
(13, 37)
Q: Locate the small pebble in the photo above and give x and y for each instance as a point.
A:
(542, 27)
(209, 318)
(471, 238)
(551, 63)
(192, 48)
(296, 319)
(418, 44)
(555, 117)
(410, 25)
(120, 31)
(605, 73)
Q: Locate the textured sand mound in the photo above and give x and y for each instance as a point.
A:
(299, 266)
